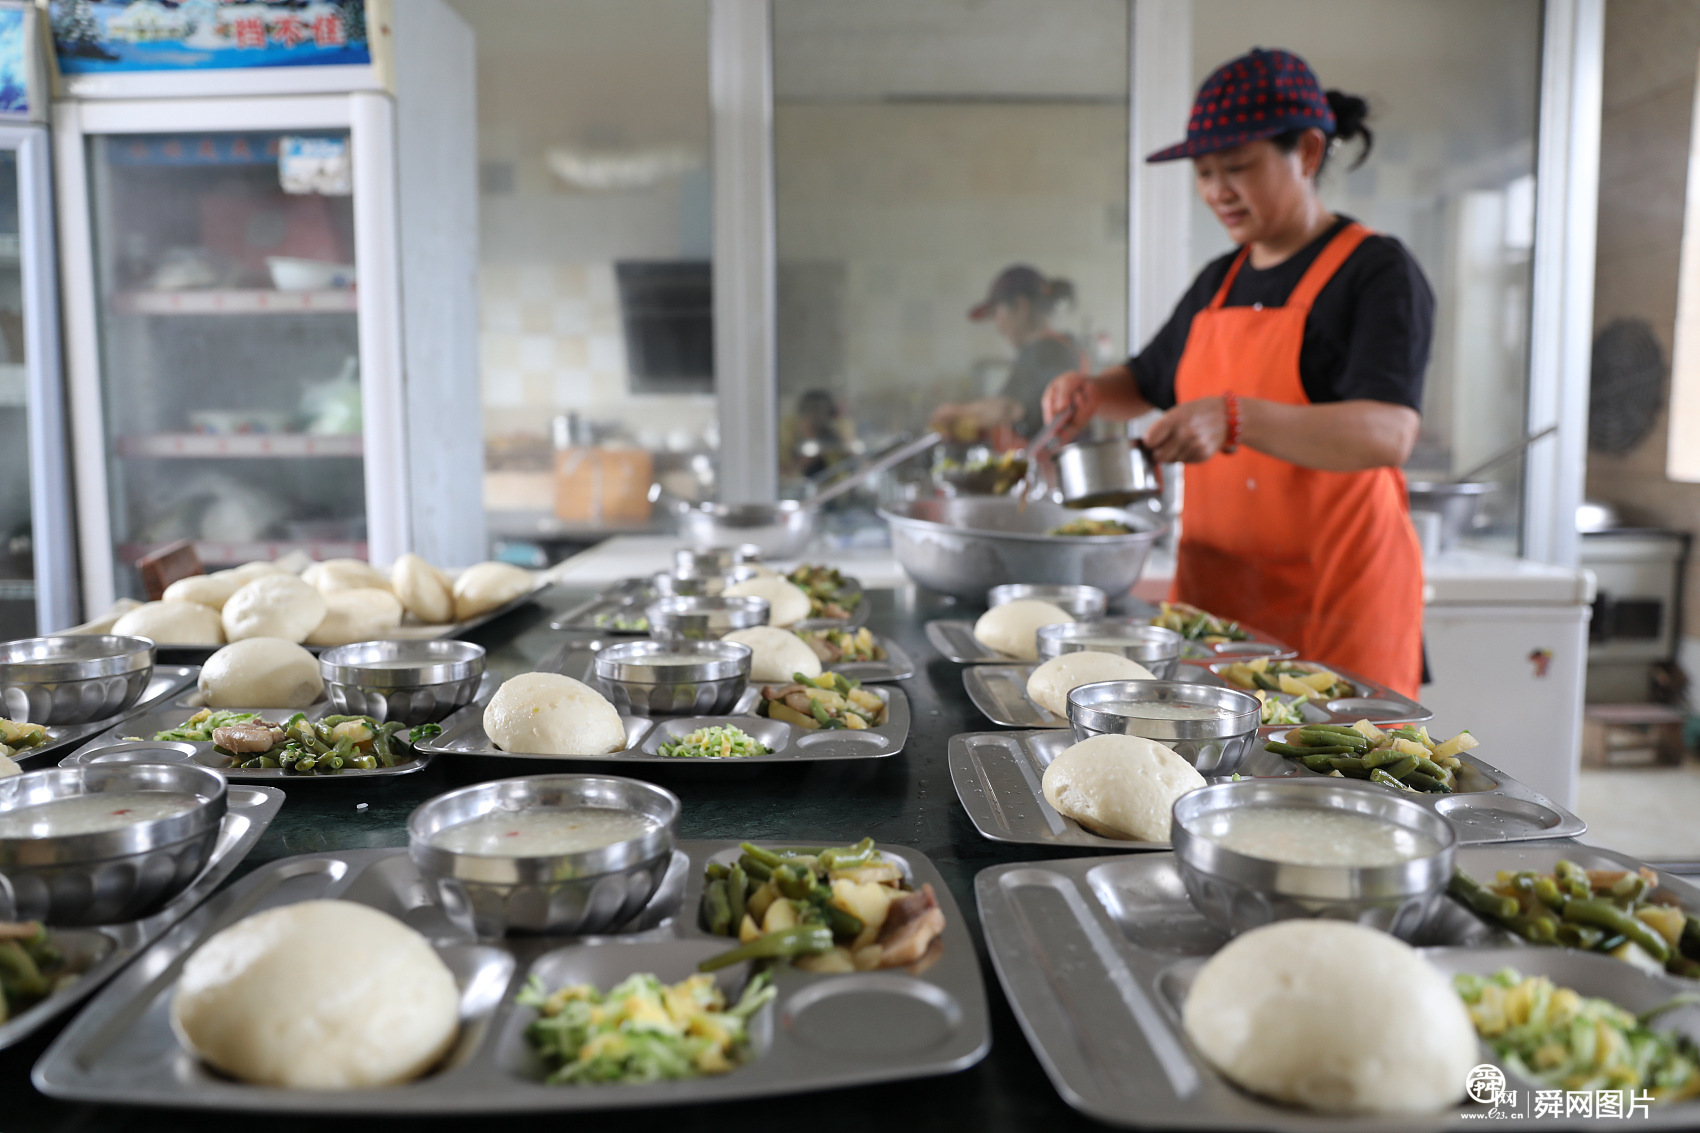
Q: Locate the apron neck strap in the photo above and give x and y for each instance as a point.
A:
(1315, 278)
(1322, 269)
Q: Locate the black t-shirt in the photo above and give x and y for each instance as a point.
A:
(1367, 335)
(1034, 366)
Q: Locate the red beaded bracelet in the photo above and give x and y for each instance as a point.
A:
(1231, 401)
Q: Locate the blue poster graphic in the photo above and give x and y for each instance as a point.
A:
(102, 36)
(14, 80)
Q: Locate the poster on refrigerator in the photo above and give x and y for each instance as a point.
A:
(105, 36)
(14, 62)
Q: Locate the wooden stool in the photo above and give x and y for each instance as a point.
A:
(167, 565)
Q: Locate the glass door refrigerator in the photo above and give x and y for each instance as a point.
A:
(247, 369)
(37, 563)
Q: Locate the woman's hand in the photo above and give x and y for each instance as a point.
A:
(1190, 432)
(1074, 396)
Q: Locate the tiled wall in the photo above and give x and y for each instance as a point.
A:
(1652, 55)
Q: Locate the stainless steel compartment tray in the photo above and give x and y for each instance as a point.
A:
(107, 948)
(998, 777)
(822, 1032)
(1000, 692)
(1096, 954)
(124, 737)
(954, 639)
(167, 681)
(463, 734)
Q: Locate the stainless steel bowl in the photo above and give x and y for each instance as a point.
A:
(1237, 892)
(1084, 602)
(1110, 473)
(1214, 744)
(415, 682)
(668, 583)
(713, 560)
(780, 530)
(1455, 504)
(704, 619)
(966, 546)
(111, 876)
(568, 894)
(1158, 649)
(73, 678)
(640, 682)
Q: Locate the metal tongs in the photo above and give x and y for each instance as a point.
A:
(1034, 449)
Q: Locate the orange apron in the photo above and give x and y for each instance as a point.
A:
(1326, 561)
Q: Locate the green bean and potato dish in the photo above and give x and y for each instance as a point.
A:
(31, 967)
(1405, 758)
(299, 745)
(1620, 913)
(835, 909)
(830, 593)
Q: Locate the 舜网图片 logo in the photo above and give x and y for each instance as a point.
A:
(1486, 1085)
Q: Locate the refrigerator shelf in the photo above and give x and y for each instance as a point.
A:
(236, 302)
(234, 554)
(240, 445)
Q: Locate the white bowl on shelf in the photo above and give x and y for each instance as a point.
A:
(290, 273)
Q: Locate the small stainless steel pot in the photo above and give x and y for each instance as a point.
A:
(1237, 892)
(567, 894)
(1214, 744)
(113, 875)
(640, 682)
(73, 678)
(1110, 473)
(704, 619)
(415, 682)
(669, 583)
(1079, 601)
(1158, 649)
(713, 560)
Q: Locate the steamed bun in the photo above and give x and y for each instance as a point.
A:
(1050, 683)
(484, 586)
(365, 614)
(1010, 628)
(1119, 786)
(551, 714)
(787, 603)
(423, 590)
(1371, 1028)
(207, 589)
(261, 672)
(172, 623)
(248, 572)
(345, 574)
(777, 654)
(247, 1004)
(274, 605)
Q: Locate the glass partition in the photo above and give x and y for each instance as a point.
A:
(229, 345)
(924, 149)
(1453, 88)
(595, 234)
(17, 563)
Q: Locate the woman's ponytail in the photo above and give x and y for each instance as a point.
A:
(1350, 121)
(1351, 115)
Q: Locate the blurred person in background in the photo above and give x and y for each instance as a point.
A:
(815, 437)
(1019, 304)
